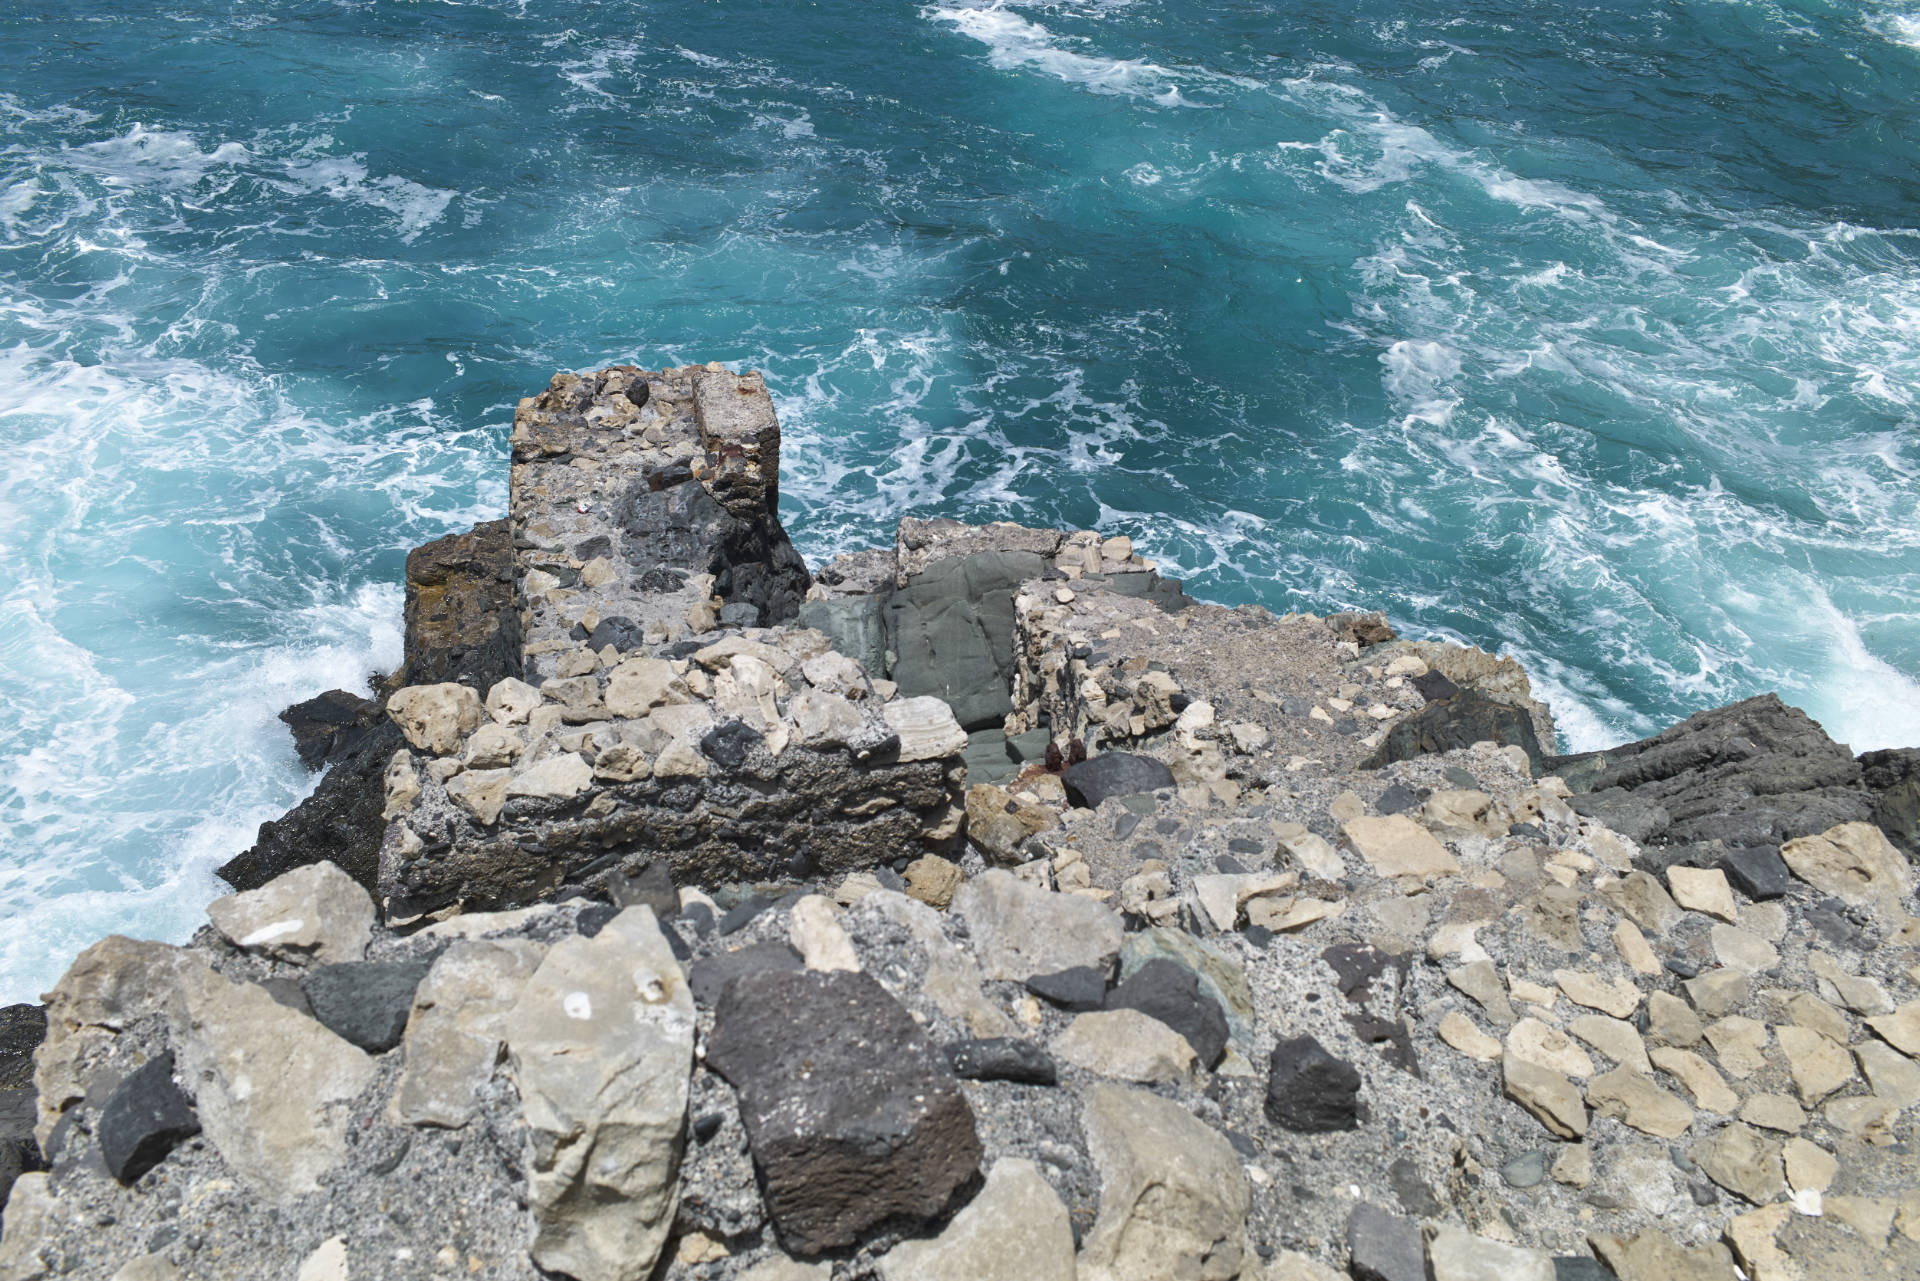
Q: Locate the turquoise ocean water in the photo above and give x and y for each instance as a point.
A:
(1590, 332)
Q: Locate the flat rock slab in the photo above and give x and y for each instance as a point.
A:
(365, 1003)
(146, 1117)
(852, 1114)
(1383, 1246)
(1113, 774)
(1016, 1229)
(1395, 845)
(1020, 930)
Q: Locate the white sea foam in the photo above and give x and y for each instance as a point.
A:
(414, 206)
(1014, 42)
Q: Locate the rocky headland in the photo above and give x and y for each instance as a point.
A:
(977, 907)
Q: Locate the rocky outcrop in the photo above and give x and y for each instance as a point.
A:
(1213, 979)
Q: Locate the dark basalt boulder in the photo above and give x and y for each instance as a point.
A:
(365, 1003)
(340, 821)
(951, 631)
(1751, 774)
(1893, 777)
(329, 724)
(146, 1117)
(1460, 721)
(462, 624)
(1309, 1091)
(22, 1028)
(668, 519)
(853, 1116)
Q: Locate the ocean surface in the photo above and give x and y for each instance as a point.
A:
(1586, 332)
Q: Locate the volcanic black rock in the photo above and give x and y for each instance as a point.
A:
(1170, 993)
(1114, 774)
(1461, 721)
(146, 1117)
(1077, 990)
(1309, 1091)
(365, 1002)
(1002, 1058)
(853, 1116)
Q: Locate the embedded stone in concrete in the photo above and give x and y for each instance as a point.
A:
(1900, 1029)
(313, 913)
(1708, 1088)
(1553, 1099)
(145, 1117)
(1171, 993)
(926, 728)
(1020, 930)
(1395, 845)
(1113, 774)
(1819, 1066)
(435, 718)
(365, 1003)
(1743, 1161)
(601, 1043)
(1126, 1045)
(1173, 1197)
(1617, 997)
(1457, 1255)
(1703, 889)
(1634, 1098)
(1015, 1229)
(1309, 1091)
(852, 1114)
(1853, 862)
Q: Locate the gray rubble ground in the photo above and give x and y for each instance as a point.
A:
(1469, 1029)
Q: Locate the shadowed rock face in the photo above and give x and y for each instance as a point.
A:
(461, 622)
(1893, 776)
(1753, 773)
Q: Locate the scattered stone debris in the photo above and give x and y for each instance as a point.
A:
(980, 906)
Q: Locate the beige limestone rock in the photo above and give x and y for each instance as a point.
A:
(1314, 854)
(601, 1042)
(1809, 1011)
(1635, 950)
(640, 684)
(1346, 807)
(926, 728)
(271, 1085)
(1672, 1021)
(1126, 1045)
(1900, 1029)
(328, 1262)
(435, 718)
(1708, 1088)
(1015, 1229)
(1810, 1167)
(1719, 992)
(1854, 862)
(1615, 1038)
(512, 701)
(1891, 1075)
(1743, 1161)
(1289, 1265)
(1534, 1042)
(814, 929)
(481, 793)
(933, 880)
(493, 746)
(1454, 1254)
(1458, 813)
(1819, 1066)
(1283, 915)
(1395, 845)
(458, 1028)
(315, 913)
(1222, 895)
(402, 783)
(1457, 1030)
(1617, 997)
(1703, 889)
(1871, 1216)
(1752, 1237)
(784, 1269)
(998, 822)
(1552, 1098)
(1863, 1116)
(557, 777)
(1739, 950)
(1574, 1165)
(1020, 930)
(1535, 994)
(1481, 981)
(1774, 1112)
(1739, 1044)
(1643, 899)
(1654, 1256)
(1635, 1099)
(1173, 1198)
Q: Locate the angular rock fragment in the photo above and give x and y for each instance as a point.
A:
(1855, 863)
(1002, 1058)
(313, 913)
(1016, 1229)
(1020, 930)
(1634, 1098)
(1395, 845)
(435, 718)
(853, 1116)
(1173, 1198)
(1553, 1099)
(1077, 989)
(1126, 1045)
(458, 1028)
(1743, 1161)
(1457, 1255)
(145, 1117)
(1113, 774)
(601, 1043)
(365, 1003)
(1170, 993)
(1309, 1091)
(272, 1086)
(1384, 1247)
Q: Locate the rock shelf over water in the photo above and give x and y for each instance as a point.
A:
(980, 906)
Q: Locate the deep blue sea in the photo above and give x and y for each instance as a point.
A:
(1587, 332)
